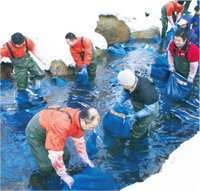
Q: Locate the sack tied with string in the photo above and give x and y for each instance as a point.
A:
(115, 121)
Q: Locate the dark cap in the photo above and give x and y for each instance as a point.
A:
(17, 38)
(181, 2)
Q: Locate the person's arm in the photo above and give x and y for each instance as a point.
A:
(171, 62)
(77, 58)
(123, 97)
(37, 54)
(192, 73)
(170, 19)
(56, 158)
(196, 29)
(79, 144)
(178, 16)
(147, 110)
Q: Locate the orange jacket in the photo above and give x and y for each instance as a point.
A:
(58, 127)
(171, 8)
(17, 51)
(78, 48)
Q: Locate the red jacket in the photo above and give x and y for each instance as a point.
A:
(17, 51)
(193, 51)
(58, 127)
(171, 8)
(78, 48)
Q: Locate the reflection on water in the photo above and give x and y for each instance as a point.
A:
(127, 162)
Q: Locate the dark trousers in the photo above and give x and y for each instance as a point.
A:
(24, 65)
(36, 137)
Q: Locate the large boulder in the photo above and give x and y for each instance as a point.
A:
(6, 70)
(113, 30)
(146, 34)
(58, 68)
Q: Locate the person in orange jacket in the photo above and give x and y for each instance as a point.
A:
(168, 14)
(84, 55)
(47, 132)
(17, 49)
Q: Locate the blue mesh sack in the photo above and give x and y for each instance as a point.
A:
(92, 179)
(82, 79)
(160, 69)
(170, 34)
(177, 87)
(115, 122)
(60, 82)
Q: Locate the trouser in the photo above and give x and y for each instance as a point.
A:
(91, 69)
(141, 125)
(36, 137)
(24, 65)
(186, 7)
(164, 20)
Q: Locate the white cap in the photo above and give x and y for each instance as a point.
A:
(182, 22)
(126, 77)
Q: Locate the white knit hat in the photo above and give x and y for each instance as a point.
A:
(126, 77)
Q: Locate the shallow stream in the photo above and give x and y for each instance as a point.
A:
(127, 162)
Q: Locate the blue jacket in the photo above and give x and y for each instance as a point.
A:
(191, 35)
(195, 18)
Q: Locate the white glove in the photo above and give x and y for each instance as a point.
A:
(174, 27)
(46, 66)
(86, 161)
(66, 178)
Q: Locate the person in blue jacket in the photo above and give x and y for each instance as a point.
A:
(195, 18)
(185, 24)
(144, 99)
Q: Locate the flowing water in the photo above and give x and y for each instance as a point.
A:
(127, 162)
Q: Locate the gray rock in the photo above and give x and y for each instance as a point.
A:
(113, 30)
(58, 68)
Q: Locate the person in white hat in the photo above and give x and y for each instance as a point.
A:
(185, 24)
(144, 99)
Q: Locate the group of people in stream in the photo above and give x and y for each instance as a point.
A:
(48, 130)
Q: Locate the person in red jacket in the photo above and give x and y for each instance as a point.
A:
(183, 56)
(168, 14)
(47, 132)
(17, 49)
(84, 55)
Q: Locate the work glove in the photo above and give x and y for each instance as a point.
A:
(131, 117)
(86, 161)
(66, 178)
(171, 68)
(190, 80)
(46, 66)
(174, 27)
(83, 70)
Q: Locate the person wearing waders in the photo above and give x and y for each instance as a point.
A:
(183, 56)
(144, 99)
(168, 14)
(47, 132)
(17, 49)
(84, 55)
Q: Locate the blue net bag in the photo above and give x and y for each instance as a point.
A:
(92, 179)
(160, 69)
(115, 122)
(177, 87)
